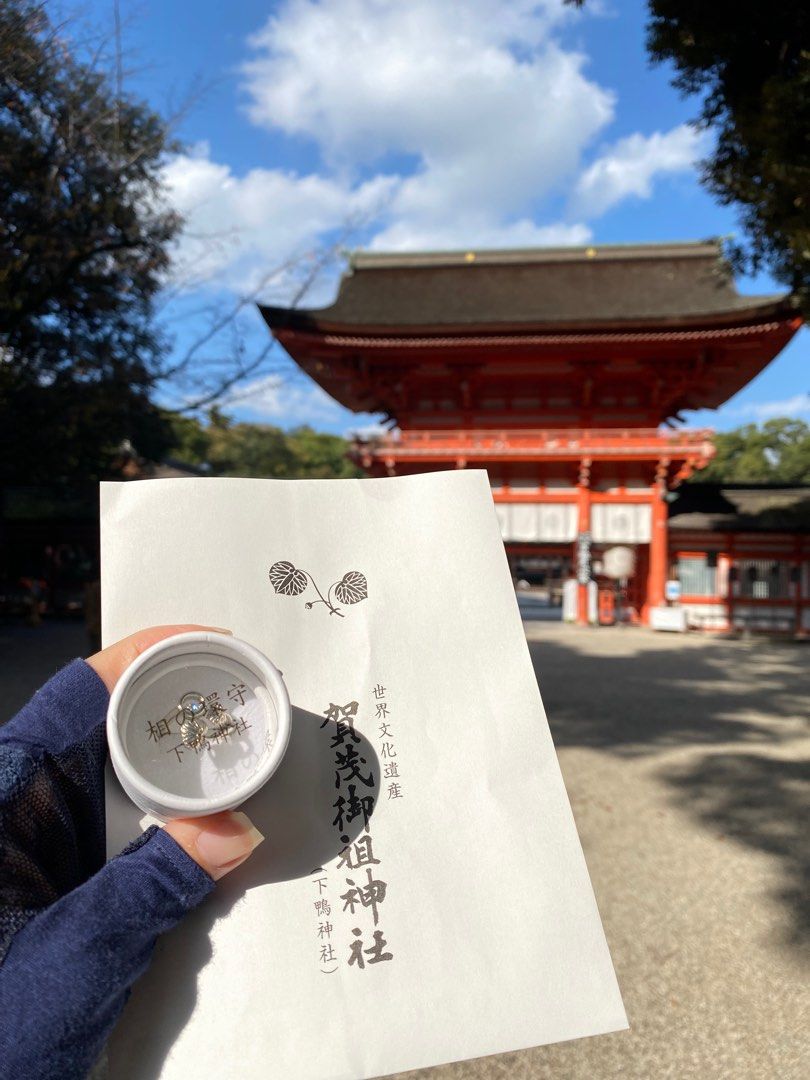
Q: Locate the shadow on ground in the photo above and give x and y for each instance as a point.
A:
(728, 721)
(764, 803)
(647, 700)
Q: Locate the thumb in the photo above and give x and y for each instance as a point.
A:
(218, 843)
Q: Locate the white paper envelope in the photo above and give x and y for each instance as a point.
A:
(421, 896)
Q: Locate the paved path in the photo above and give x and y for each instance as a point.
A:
(687, 763)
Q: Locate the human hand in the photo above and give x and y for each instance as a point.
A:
(76, 932)
(219, 842)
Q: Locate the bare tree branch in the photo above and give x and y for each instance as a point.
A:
(222, 374)
(119, 71)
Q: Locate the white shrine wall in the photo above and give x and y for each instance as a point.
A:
(611, 523)
(550, 523)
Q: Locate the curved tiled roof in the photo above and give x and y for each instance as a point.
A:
(741, 507)
(610, 287)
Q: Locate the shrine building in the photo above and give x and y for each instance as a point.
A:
(564, 372)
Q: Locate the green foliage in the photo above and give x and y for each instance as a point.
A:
(242, 449)
(750, 61)
(189, 439)
(320, 456)
(778, 452)
(84, 242)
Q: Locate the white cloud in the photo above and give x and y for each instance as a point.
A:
(372, 430)
(364, 77)
(240, 228)
(796, 406)
(631, 166)
(448, 124)
(489, 112)
(293, 401)
(403, 235)
(288, 402)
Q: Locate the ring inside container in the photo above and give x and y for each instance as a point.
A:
(171, 757)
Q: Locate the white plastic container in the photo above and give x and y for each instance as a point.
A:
(158, 769)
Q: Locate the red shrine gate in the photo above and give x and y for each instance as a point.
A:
(587, 489)
(561, 371)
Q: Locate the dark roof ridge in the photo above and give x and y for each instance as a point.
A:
(360, 260)
(619, 285)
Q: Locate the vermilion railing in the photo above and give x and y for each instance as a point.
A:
(548, 441)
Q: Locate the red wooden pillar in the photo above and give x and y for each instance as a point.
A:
(659, 544)
(582, 560)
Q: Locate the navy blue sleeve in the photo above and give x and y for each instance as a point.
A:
(74, 933)
(52, 758)
(67, 973)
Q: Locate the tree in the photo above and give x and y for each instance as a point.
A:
(750, 62)
(243, 449)
(318, 455)
(777, 452)
(240, 449)
(84, 246)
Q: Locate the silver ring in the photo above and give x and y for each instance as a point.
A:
(192, 704)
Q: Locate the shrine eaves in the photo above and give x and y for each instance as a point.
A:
(596, 337)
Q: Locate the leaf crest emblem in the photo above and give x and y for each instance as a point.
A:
(352, 588)
(286, 579)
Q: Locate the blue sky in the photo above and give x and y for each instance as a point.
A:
(431, 123)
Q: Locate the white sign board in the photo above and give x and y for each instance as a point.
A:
(486, 935)
(672, 619)
(672, 590)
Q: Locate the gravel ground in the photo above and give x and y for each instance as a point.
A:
(687, 764)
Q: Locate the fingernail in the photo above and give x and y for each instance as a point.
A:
(221, 630)
(226, 841)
